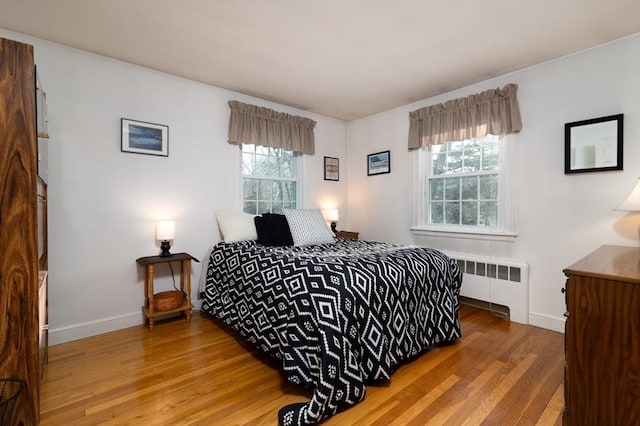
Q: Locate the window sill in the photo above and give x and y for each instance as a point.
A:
(464, 234)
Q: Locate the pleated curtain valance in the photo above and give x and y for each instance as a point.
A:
(494, 112)
(266, 127)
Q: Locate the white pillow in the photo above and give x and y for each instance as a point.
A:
(308, 227)
(236, 226)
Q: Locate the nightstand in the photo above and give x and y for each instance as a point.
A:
(347, 235)
(150, 313)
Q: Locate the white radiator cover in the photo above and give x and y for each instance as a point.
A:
(501, 281)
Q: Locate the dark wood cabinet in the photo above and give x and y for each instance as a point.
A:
(602, 339)
(22, 229)
(43, 266)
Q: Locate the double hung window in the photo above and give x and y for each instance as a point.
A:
(465, 187)
(270, 179)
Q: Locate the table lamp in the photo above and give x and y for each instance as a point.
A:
(165, 231)
(632, 202)
(333, 217)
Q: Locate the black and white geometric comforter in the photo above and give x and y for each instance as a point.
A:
(337, 315)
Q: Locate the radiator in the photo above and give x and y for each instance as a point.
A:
(496, 281)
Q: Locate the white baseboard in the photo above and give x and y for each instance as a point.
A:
(93, 328)
(546, 321)
(105, 325)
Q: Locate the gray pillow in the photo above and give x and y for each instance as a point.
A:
(308, 227)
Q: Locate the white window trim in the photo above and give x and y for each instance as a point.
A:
(235, 177)
(430, 231)
(506, 184)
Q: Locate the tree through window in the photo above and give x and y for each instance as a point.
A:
(466, 187)
(269, 179)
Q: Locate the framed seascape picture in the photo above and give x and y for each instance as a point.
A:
(379, 163)
(145, 138)
(593, 145)
(331, 168)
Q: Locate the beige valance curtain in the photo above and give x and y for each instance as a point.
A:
(494, 112)
(266, 127)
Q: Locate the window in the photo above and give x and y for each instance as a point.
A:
(464, 187)
(269, 179)
(463, 182)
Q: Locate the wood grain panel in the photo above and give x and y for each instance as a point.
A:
(603, 351)
(18, 226)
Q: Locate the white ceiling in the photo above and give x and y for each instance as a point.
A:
(345, 59)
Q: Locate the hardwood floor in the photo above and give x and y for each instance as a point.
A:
(199, 373)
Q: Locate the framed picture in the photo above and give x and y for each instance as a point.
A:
(145, 138)
(593, 145)
(379, 163)
(331, 168)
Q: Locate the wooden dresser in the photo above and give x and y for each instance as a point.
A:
(602, 339)
(23, 257)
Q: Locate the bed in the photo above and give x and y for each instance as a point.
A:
(338, 315)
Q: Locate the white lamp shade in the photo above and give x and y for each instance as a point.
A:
(332, 215)
(632, 202)
(165, 230)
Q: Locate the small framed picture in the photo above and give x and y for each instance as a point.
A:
(379, 163)
(594, 145)
(145, 138)
(331, 168)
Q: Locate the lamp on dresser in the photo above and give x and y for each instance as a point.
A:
(632, 202)
(165, 231)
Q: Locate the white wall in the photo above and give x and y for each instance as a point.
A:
(104, 203)
(559, 218)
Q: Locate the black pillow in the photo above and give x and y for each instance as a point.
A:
(264, 235)
(273, 230)
(279, 228)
